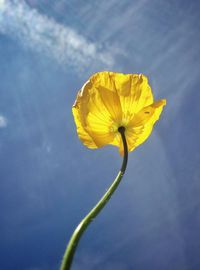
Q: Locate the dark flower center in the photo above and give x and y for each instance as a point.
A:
(121, 129)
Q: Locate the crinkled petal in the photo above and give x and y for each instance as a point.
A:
(105, 87)
(92, 118)
(80, 112)
(142, 124)
(110, 100)
(134, 93)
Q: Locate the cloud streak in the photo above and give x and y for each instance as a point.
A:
(45, 35)
(3, 122)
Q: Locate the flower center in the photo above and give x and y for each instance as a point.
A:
(121, 129)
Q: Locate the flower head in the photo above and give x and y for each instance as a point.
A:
(111, 100)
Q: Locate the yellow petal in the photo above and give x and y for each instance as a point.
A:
(149, 114)
(110, 100)
(92, 117)
(134, 93)
(80, 112)
(106, 89)
(140, 127)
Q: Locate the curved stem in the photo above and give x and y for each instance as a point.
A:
(73, 243)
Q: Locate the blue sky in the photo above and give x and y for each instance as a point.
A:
(49, 180)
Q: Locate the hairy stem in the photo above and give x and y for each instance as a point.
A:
(73, 243)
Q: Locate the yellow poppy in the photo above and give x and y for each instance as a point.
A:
(109, 100)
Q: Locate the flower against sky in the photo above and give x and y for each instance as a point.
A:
(112, 108)
(111, 100)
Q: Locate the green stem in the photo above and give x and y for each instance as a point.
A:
(73, 243)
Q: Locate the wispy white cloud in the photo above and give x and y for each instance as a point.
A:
(43, 34)
(3, 121)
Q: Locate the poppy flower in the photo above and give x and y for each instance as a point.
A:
(108, 101)
(112, 108)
